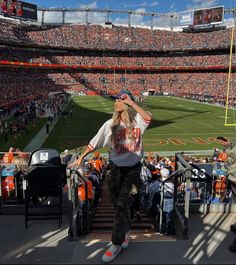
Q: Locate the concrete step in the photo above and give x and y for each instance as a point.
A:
(101, 215)
(136, 235)
(108, 226)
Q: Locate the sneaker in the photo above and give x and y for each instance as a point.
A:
(233, 228)
(111, 253)
(125, 243)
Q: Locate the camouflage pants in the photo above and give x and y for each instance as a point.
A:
(119, 182)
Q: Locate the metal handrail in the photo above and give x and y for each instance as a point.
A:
(184, 172)
(73, 176)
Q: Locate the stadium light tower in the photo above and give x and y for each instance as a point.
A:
(86, 16)
(63, 15)
(129, 18)
(171, 21)
(152, 18)
(43, 13)
(108, 15)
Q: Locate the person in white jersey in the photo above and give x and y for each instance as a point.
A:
(123, 134)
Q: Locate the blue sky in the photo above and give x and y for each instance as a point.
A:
(153, 6)
(157, 6)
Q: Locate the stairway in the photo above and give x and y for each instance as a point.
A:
(101, 227)
(104, 215)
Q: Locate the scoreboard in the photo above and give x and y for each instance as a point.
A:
(201, 17)
(18, 9)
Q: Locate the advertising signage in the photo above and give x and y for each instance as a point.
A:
(186, 18)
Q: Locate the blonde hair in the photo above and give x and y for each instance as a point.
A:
(129, 116)
(20, 162)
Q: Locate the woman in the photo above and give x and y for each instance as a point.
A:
(123, 135)
(230, 167)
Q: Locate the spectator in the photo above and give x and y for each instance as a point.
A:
(66, 157)
(168, 203)
(8, 184)
(97, 162)
(230, 166)
(21, 154)
(8, 156)
(21, 164)
(47, 127)
(89, 173)
(123, 134)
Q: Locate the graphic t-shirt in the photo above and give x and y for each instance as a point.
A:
(128, 150)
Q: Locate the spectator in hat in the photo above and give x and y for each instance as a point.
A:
(168, 201)
(66, 157)
(123, 135)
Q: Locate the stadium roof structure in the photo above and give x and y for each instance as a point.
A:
(105, 16)
(109, 11)
(113, 17)
(108, 18)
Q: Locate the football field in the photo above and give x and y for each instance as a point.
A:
(178, 124)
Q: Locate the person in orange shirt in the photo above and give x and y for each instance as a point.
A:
(8, 156)
(222, 156)
(97, 162)
(8, 183)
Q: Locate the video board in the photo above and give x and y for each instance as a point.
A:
(18, 9)
(208, 16)
(199, 17)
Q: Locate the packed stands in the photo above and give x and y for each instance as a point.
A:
(94, 59)
(98, 37)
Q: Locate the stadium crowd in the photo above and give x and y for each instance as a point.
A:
(17, 86)
(194, 50)
(200, 85)
(117, 37)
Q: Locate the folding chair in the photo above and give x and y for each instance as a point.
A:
(43, 186)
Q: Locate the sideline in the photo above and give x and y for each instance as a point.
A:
(39, 138)
(42, 135)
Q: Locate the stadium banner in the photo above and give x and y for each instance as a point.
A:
(186, 18)
(208, 16)
(104, 67)
(18, 9)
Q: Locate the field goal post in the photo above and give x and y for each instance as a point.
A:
(230, 119)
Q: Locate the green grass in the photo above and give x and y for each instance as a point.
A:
(22, 140)
(178, 125)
